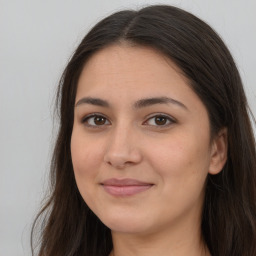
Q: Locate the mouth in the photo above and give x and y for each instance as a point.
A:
(125, 187)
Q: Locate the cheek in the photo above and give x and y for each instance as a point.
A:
(182, 159)
(182, 166)
(85, 158)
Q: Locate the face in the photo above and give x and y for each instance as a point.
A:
(140, 144)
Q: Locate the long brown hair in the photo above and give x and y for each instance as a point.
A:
(69, 227)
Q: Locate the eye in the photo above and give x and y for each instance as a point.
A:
(95, 121)
(160, 120)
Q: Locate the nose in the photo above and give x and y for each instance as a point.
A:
(122, 149)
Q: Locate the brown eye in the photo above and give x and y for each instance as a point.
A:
(160, 120)
(99, 120)
(95, 121)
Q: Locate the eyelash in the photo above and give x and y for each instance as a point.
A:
(86, 118)
(167, 117)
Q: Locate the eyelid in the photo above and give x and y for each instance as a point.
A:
(87, 117)
(153, 115)
(170, 118)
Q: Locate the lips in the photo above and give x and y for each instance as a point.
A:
(125, 187)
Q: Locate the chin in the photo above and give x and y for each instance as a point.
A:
(125, 224)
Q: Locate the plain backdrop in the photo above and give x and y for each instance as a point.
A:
(36, 40)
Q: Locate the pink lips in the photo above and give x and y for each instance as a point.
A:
(125, 187)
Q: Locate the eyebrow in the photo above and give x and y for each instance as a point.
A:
(137, 105)
(93, 101)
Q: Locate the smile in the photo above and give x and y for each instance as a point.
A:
(125, 187)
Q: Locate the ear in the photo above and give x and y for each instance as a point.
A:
(219, 151)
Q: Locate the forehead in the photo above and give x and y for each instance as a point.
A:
(117, 65)
(132, 59)
(126, 52)
(126, 73)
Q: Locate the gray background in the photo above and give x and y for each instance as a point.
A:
(36, 40)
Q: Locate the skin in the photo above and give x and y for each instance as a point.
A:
(175, 155)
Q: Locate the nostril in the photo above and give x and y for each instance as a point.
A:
(120, 161)
(122, 155)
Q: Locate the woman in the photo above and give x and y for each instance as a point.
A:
(155, 154)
